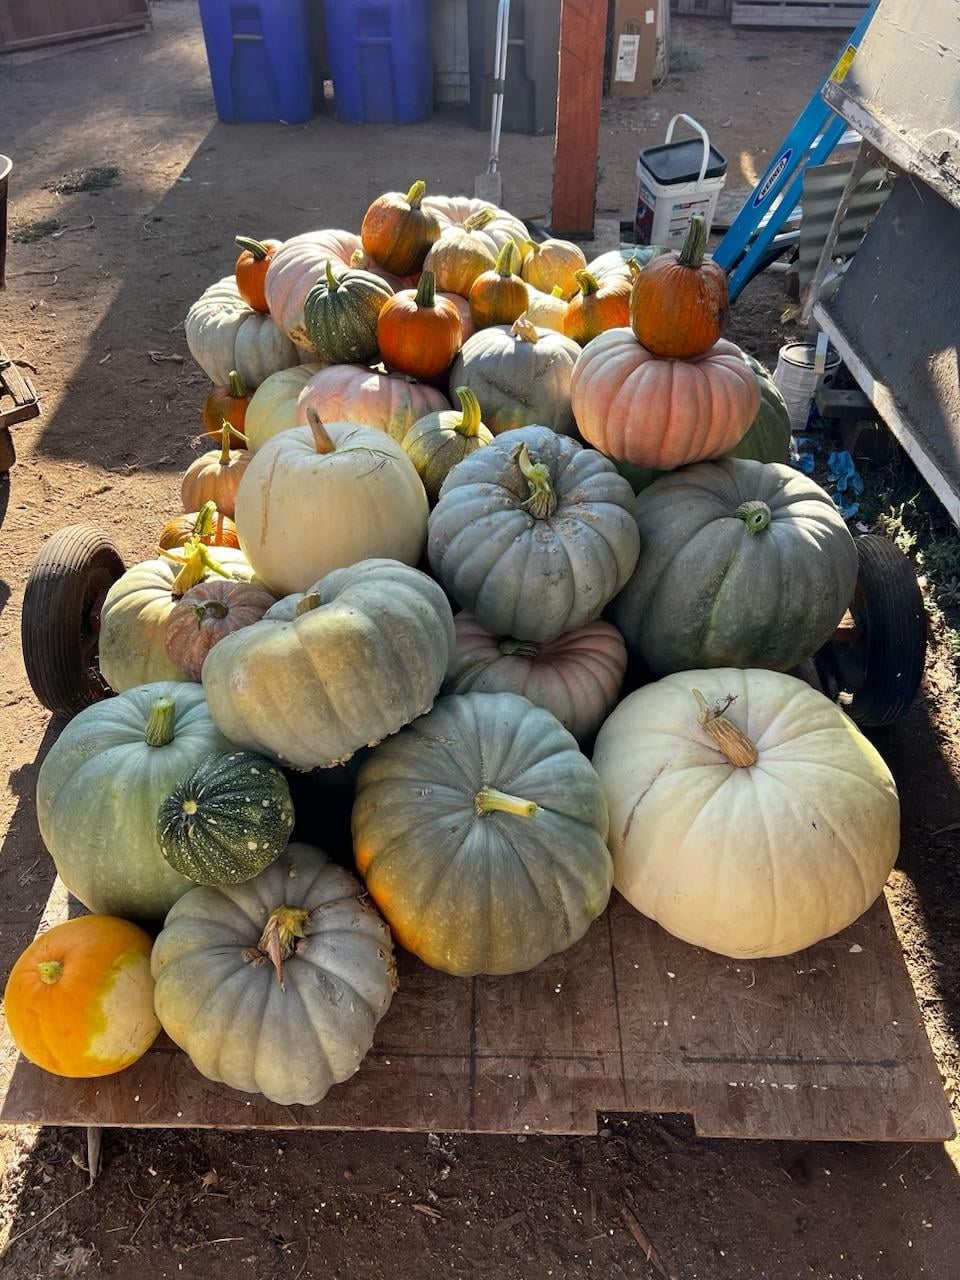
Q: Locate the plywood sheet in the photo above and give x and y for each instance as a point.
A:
(25, 24)
(828, 1044)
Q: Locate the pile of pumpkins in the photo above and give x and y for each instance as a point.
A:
(443, 606)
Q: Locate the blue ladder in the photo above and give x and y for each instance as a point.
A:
(814, 135)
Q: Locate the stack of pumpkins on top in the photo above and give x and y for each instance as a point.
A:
(299, 616)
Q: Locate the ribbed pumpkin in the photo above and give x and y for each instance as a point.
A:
(355, 658)
(276, 986)
(521, 376)
(251, 270)
(134, 615)
(599, 305)
(226, 820)
(499, 296)
(273, 406)
(467, 327)
(419, 333)
(227, 404)
(340, 314)
(748, 814)
(768, 436)
(546, 310)
(397, 232)
(458, 257)
(326, 496)
(637, 408)
(480, 834)
(533, 534)
(553, 264)
(205, 614)
(294, 270)
(79, 1000)
(439, 441)
(207, 525)
(390, 402)
(744, 564)
(623, 262)
(453, 211)
(680, 305)
(576, 677)
(215, 476)
(100, 787)
(223, 333)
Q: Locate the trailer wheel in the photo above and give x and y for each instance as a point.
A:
(60, 627)
(874, 662)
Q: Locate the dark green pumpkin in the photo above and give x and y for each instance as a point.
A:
(227, 819)
(340, 315)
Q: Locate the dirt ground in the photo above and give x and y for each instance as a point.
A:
(95, 309)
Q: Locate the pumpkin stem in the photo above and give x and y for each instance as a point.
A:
(359, 259)
(50, 971)
(469, 424)
(695, 245)
(209, 609)
(235, 386)
(312, 600)
(226, 435)
(283, 930)
(426, 294)
(416, 194)
(506, 259)
(756, 515)
(727, 737)
(477, 221)
(519, 648)
(542, 502)
(256, 248)
(530, 248)
(162, 722)
(197, 563)
(587, 281)
(333, 284)
(489, 800)
(321, 439)
(556, 292)
(203, 525)
(524, 329)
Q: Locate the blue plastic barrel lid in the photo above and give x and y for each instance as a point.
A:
(674, 162)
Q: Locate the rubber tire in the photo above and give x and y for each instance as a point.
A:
(54, 608)
(889, 604)
(8, 454)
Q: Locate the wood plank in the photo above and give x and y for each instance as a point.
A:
(18, 400)
(583, 33)
(788, 13)
(27, 26)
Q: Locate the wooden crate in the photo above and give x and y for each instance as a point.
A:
(796, 13)
(29, 24)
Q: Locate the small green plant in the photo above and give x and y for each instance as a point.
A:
(94, 178)
(30, 232)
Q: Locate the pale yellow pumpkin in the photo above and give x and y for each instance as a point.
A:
(273, 406)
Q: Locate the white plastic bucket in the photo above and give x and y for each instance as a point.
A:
(664, 210)
(797, 376)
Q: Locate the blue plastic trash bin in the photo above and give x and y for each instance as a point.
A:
(259, 56)
(381, 60)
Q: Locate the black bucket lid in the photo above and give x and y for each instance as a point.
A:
(674, 162)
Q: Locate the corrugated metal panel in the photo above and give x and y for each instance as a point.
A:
(822, 187)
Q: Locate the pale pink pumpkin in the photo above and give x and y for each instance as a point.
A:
(577, 677)
(463, 309)
(205, 614)
(662, 413)
(351, 393)
(296, 267)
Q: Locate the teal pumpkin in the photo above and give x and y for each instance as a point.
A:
(227, 819)
(341, 312)
(101, 785)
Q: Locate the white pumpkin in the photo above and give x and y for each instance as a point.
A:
(757, 831)
(296, 267)
(223, 333)
(325, 496)
(273, 406)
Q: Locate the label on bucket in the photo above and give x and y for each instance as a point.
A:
(628, 55)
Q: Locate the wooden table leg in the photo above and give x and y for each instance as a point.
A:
(583, 35)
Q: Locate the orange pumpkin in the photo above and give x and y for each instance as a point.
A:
(397, 232)
(215, 476)
(680, 304)
(205, 614)
(251, 269)
(419, 333)
(499, 296)
(208, 525)
(600, 305)
(636, 407)
(553, 263)
(79, 1000)
(227, 404)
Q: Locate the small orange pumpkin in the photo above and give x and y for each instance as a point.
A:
(79, 1000)
(215, 476)
(208, 525)
(205, 614)
(227, 404)
(418, 333)
(251, 269)
(553, 263)
(680, 304)
(600, 305)
(397, 233)
(459, 256)
(499, 296)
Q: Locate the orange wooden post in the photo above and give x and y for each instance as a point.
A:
(583, 34)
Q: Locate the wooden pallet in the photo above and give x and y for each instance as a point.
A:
(796, 13)
(702, 8)
(18, 403)
(828, 1044)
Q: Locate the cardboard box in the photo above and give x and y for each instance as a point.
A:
(634, 52)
